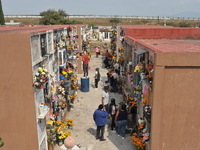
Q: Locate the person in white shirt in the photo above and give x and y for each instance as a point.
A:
(116, 66)
(105, 97)
(113, 111)
(115, 78)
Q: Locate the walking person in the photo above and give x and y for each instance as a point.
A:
(99, 117)
(121, 120)
(85, 60)
(112, 110)
(97, 78)
(97, 51)
(105, 97)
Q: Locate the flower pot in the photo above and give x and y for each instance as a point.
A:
(51, 147)
(60, 142)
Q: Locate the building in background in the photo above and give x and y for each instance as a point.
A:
(27, 104)
(162, 66)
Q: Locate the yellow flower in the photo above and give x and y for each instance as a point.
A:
(43, 73)
(63, 72)
(70, 71)
(40, 69)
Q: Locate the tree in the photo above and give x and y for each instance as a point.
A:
(2, 21)
(114, 21)
(184, 24)
(52, 17)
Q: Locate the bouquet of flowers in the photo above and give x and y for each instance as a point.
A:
(61, 44)
(49, 137)
(145, 135)
(138, 68)
(40, 78)
(147, 109)
(60, 90)
(138, 141)
(72, 97)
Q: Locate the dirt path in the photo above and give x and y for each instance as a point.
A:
(87, 102)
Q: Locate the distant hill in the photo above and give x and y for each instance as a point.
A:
(187, 14)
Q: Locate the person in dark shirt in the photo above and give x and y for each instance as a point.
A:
(121, 120)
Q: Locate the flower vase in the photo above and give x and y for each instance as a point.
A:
(60, 142)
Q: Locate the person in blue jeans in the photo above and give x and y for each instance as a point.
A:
(99, 117)
(121, 120)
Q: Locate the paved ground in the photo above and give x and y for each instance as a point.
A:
(87, 102)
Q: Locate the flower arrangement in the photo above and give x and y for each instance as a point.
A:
(67, 73)
(52, 117)
(138, 141)
(69, 123)
(138, 88)
(40, 78)
(72, 97)
(138, 68)
(130, 79)
(141, 123)
(121, 50)
(133, 103)
(128, 72)
(70, 47)
(49, 137)
(144, 101)
(61, 44)
(64, 128)
(145, 135)
(149, 67)
(147, 109)
(150, 79)
(60, 90)
(62, 102)
(121, 60)
(114, 57)
(63, 133)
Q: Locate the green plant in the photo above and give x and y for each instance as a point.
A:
(2, 21)
(1, 142)
(52, 17)
(184, 24)
(114, 21)
(49, 138)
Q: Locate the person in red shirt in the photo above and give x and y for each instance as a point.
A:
(85, 60)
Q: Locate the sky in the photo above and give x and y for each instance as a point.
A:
(105, 7)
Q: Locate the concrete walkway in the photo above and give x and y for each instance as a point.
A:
(87, 102)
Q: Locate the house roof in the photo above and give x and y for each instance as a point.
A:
(174, 45)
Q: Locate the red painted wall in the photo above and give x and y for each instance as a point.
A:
(168, 33)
